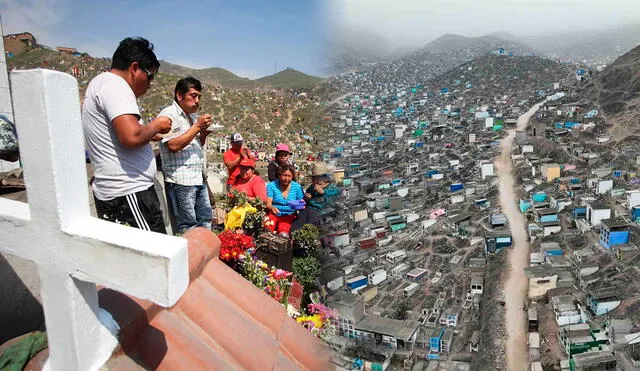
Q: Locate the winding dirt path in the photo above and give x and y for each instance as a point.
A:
(515, 281)
(290, 112)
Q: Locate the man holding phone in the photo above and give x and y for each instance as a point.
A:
(234, 155)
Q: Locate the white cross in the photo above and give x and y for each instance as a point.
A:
(74, 251)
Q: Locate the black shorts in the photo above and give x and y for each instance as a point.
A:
(139, 210)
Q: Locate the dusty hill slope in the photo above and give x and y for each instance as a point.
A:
(616, 91)
(616, 86)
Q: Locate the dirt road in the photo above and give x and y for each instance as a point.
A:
(515, 280)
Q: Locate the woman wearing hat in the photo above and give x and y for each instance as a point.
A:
(320, 194)
(283, 157)
(248, 182)
(322, 190)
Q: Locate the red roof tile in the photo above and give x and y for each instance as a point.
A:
(221, 322)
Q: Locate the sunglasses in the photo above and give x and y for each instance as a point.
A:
(150, 75)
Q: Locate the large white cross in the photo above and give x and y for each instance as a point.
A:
(74, 251)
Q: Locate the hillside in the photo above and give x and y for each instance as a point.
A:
(616, 91)
(289, 79)
(434, 59)
(264, 115)
(517, 77)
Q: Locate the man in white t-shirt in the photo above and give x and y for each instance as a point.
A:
(183, 158)
(118, 140)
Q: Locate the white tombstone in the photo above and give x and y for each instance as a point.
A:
(74, 251)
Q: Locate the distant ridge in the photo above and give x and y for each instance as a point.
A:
(289, 78)
(212, 75)
(450, 42)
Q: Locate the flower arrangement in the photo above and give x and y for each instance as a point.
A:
(318, 320)
(275, 282)
(253, 223)
(233, 245)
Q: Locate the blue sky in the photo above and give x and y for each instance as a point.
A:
(243, 36)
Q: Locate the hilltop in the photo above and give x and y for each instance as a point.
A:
(285, 79)
(616, 91)
(428, 61)
(213, 75)
(435, 59)
(289, 78)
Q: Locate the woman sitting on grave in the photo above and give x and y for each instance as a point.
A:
(322, 192)
(250, 183)
(319, 196)
(284, 199)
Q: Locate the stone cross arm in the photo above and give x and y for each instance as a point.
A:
(94, 250)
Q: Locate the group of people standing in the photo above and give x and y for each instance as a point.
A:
(124, 163)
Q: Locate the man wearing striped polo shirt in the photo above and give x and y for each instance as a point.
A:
(183, 158)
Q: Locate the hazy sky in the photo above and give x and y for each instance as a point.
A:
(243, 36)
(416, 22)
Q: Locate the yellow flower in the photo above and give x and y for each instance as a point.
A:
(315, 319)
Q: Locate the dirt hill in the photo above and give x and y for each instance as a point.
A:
(516, 76)
(616, 91)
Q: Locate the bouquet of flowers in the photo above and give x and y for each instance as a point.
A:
(275, 282)
(233, 245)
(318, 320)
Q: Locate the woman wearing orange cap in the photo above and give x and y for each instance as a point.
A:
(248, 182)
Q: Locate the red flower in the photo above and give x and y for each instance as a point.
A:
(233, 245)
